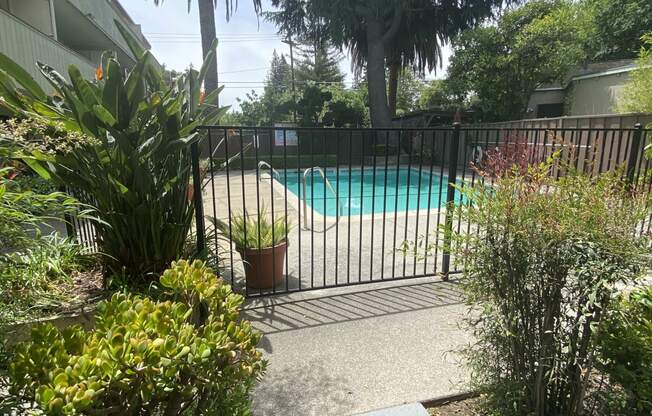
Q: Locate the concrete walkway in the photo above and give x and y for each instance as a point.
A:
(349, 350)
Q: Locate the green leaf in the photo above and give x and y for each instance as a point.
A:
(215, 116)
(8, 92)
(114, 96)
(133, 44)
(81, 86)
(104, 115)
(54, 78)
(184, 351)
(206, 353)
(22, 77)
(38, 168)
(135, 84)
(212, 97)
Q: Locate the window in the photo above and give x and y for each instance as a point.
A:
(550, 110)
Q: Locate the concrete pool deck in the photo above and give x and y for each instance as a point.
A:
(349, 350)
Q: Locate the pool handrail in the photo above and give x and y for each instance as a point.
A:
(305, 192)
(273, 171)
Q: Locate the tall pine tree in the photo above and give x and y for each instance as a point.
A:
(318, 62)
(278, 76)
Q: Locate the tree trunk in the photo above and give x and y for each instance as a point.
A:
(208, 34)
(394, 68)
(378, 109)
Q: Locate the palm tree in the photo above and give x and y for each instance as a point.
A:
(209, 31)
(370, 29)
(415, 47)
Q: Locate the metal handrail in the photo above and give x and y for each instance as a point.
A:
(305, 192)
(271, 169)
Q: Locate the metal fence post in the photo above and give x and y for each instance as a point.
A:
(453, 155)
(634, 151)
(67, 218)
(197, 198)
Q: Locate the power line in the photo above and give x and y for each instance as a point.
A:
(197, 34)
(299, 82)
(219, 37)
(243, 70)
(195, 41)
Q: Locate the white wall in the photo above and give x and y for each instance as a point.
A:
(597, 95)
(36, 13)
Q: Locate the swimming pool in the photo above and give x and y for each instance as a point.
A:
(368, 191)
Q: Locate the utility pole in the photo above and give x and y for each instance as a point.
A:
(294, 91)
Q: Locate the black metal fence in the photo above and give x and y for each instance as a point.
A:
(82, 230)
(352, 198)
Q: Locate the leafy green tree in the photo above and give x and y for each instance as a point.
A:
(503, 64)
(311, 104)
(318, 102)
(277, 98)
(276, 102)
(437, 94)
(232, 118)
(410, 86)
(637, 95)
(620, 24)
(376, 25)
(346, 108)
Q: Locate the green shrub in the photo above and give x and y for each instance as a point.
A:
(34, 267)
(34, 183)
(625, 340)
(22, 212)
(36, 280)
(190, 354)
(382, 150)
(541, 272)
(125, 141)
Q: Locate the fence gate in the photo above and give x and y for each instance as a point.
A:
(356, 206)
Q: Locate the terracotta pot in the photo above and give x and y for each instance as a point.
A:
(264, 267)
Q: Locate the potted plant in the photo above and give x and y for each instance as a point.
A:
(262, 244)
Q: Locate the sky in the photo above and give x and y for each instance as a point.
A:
(246, 44)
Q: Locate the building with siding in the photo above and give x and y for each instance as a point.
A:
(64, 32)
(590, 90)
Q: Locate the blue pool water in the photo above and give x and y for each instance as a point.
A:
(367, 192)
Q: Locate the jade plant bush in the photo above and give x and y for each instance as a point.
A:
(541, 272)
(625, 342)
(188, 354)
(124, 139)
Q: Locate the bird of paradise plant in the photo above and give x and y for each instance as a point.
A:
(136, 168)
